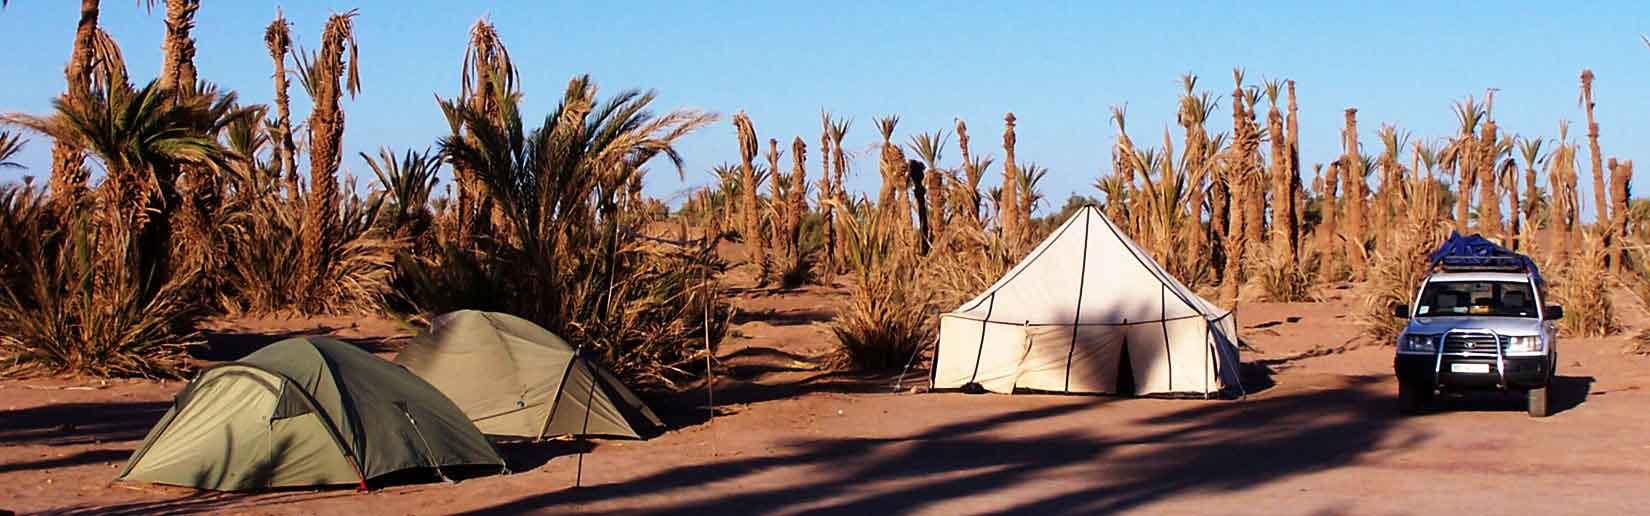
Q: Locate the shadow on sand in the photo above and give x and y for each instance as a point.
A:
(1204, 448)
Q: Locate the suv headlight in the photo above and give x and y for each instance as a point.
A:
(1525, 344)
(1418, 343)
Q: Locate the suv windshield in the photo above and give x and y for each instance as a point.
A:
(1491, 298)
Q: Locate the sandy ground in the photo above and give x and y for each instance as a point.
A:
(1319, 434)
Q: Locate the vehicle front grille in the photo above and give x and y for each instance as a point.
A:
(1470, 343)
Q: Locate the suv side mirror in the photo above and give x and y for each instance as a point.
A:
(1400, 311)
(1553, 312)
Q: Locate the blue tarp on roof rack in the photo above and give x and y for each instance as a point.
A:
(1475, 252)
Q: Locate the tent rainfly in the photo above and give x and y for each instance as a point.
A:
(515, 378)
(1065, 318)
(305, 411)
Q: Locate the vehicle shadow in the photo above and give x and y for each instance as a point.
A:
(1564, 394)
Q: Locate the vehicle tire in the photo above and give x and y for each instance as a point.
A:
(1537, 399)
(1411, 397)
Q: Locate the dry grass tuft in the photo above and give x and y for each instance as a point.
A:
(887, 318)
(1284, 280)
(1394, 274)
(1577, 285)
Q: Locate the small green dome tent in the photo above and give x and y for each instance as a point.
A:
(305, 411)
(515, 378)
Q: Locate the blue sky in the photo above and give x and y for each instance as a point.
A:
(1057, 65)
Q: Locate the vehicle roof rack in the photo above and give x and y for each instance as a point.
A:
(1475, 253)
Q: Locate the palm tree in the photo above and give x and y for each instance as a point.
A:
(972, 173)
(891, 199)
(1460, 155)
(1586, 100)
(1293, 153)
(561, 186)
(825, 189)
(409, 183)
(1621, 174)
(1562, 179)
(1353, 183)
(1283, 196)
(750, 214)
(1490, 150)
(1009, 204)
(930, 148)
(1197, 162)
(1530, 150)
(776, 200)
(10, 145)
(140, 137)
(796, 201)
(321, 74)
(1393, 201)
(278, 39)
(486, 67)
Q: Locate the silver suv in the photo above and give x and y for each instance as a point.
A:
(1484, 328)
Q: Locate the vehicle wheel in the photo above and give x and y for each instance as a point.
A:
(1538, 402)
(1412, 397)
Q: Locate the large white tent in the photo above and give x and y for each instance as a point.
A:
(1063, 318)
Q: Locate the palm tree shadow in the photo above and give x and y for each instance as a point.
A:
(1206, 447)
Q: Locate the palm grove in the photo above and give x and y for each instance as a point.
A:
(209, 206)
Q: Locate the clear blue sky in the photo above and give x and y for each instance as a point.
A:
(1058, 66)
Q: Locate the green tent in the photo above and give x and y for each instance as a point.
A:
(305, 411)
(515, 378)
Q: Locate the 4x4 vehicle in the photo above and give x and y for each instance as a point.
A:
(1478, 323)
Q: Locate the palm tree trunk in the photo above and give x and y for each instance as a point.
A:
(69, 174)
(1326, 231)
(1621, 176)
(278, 38)
(798, 200)
(1008, 207)
(936, 202)
(1352, 179)
(776, 200)
(972, 204)
(178, 52)
(1599, 201)
(826, 194)
(1282, 196)
(1489, 205)
(917, 172)
(751, 233)
(1293, 155)
(839, 166)
(1509, 173)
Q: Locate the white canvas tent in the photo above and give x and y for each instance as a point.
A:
(1062, 319)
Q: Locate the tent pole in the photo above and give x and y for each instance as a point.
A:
(710, 371)
(901, 380)
(429, 453)
(1077, 318)
(1163, 320)
(578, 476)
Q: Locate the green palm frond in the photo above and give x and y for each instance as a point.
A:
(10, 145)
